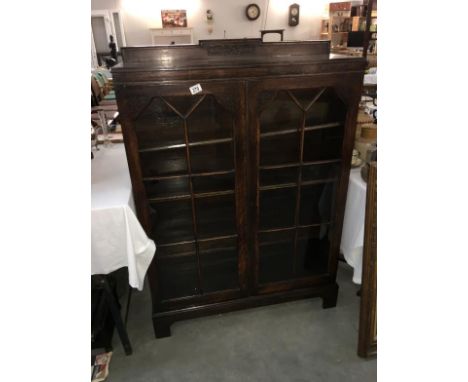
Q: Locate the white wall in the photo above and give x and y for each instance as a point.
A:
(229, 15)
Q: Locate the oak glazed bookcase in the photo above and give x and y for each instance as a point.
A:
(242, 185)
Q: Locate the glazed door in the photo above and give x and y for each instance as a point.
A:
(298, 131)
(191, 156)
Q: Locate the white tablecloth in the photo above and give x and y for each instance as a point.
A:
(352, 238)
(371, 77)
(117, 238)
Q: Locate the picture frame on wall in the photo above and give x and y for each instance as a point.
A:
(174, 18)
(324, 28)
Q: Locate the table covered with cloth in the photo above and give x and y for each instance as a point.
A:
(117, 238)
(352, 238)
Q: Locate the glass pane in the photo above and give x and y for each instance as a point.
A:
(280, 114)
(323, 144)
(317, 203)
(278, 176)
(327, 109)
(209, 121)
(164, 162)
(177, 271)
(219, 265)
(279, 149)
(320, 171)
(319, 113)
(306, 96)
(213, 183)
(276, 256)
(216, 157)
(216, 216)
(277, 208)
(158, 126)
(183, 104)
(313, 250)
(167, 187)
(172, 221)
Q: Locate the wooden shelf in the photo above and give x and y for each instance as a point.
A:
(307, 128)
(182, 145)
(293, 228)
(292, 185)
(188, 196)
(296, 164)
(200, 240)
(168, 177)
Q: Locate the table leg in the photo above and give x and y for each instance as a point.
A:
(130, 290)
(113, 306)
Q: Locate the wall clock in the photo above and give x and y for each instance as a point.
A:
(293, 15)
(252, 11)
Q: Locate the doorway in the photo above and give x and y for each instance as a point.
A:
(105, 23)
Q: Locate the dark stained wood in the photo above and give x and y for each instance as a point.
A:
(186, 175)
(242, 160)
(291, 228)
(367, 345)
(306, 128)
(350, 94)
(298, 186)
(162, 321)
(301, 163)
(223, 53)
(296, 164)
(199, 240)
(292, 185)
(274, 31)
(242, 186)
(192, 201)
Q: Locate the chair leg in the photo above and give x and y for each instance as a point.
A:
(130, 290)
(113, 306)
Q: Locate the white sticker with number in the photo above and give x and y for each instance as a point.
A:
(195, 89)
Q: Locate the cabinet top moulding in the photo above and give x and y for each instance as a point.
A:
(248, 57)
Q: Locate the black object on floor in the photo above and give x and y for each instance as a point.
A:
(102, 325)
(105, 314)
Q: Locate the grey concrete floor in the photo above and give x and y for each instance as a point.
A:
(295, 341)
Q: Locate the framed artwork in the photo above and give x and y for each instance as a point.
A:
(174, 18)
(324, 26)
